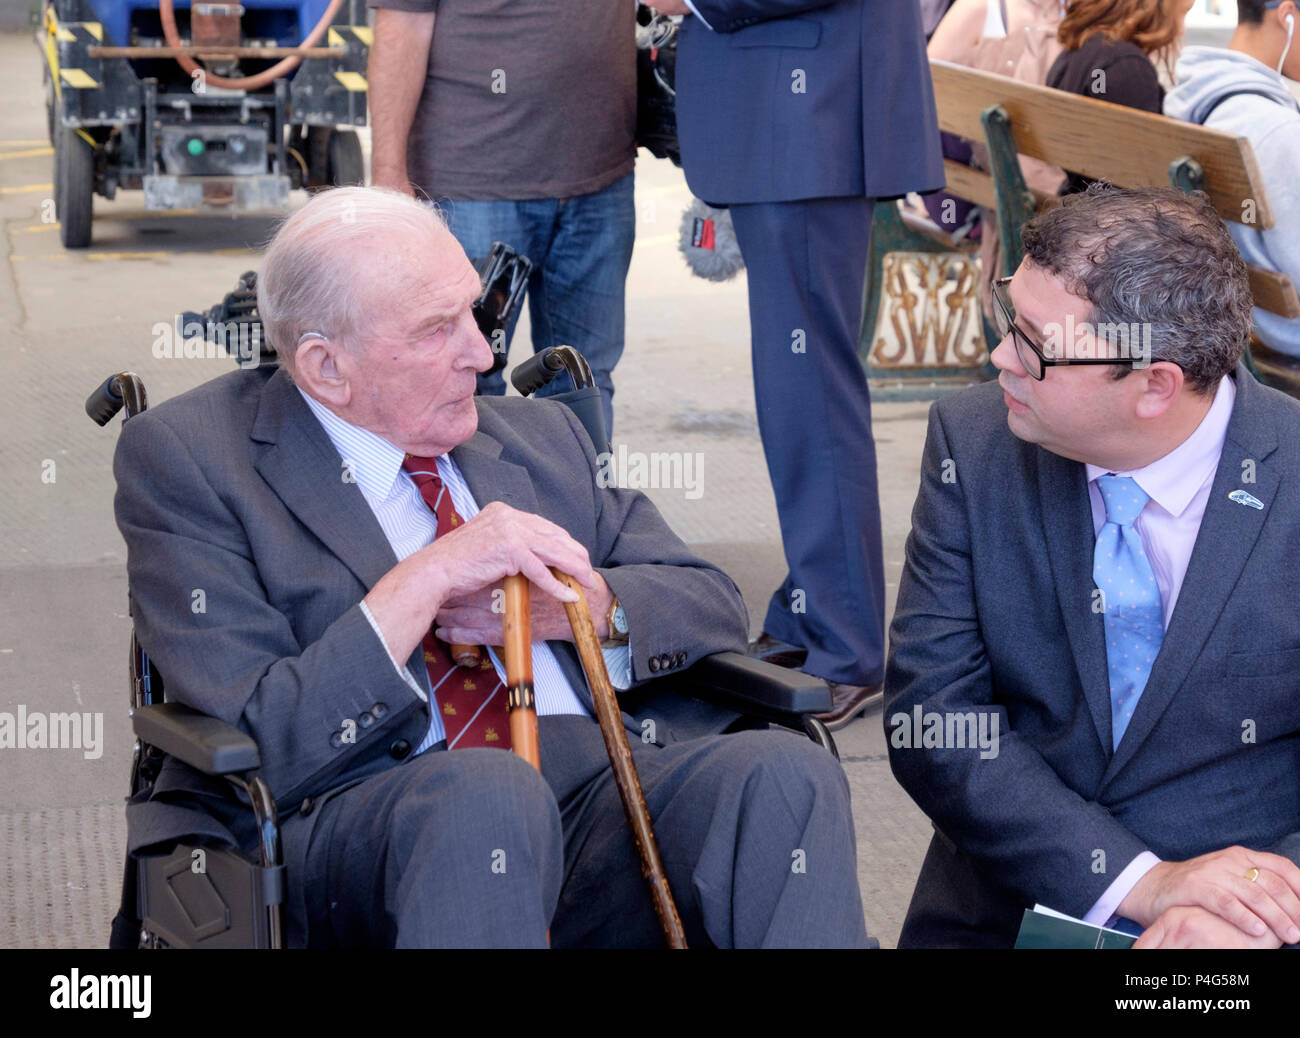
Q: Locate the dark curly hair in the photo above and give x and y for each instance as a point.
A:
(1157, 257)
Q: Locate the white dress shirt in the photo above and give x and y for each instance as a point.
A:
(409, 524)
(1179, 487)
(699, 17)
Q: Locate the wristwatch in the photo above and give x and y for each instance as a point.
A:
(617, 620)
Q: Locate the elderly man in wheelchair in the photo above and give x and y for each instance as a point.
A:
(305, 542)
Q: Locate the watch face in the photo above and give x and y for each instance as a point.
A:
(619, 620)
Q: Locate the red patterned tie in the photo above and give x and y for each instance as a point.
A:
(472, 699)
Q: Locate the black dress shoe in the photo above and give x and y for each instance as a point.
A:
(773, 650)
(847, 701)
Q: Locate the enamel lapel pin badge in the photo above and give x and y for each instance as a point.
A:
(1243, 498)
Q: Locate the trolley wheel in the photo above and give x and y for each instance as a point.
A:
(333, 158)
(316, 149)
(74, 187)
(346, 166)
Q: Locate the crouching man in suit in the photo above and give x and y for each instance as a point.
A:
(1093, 687)
(350, 514)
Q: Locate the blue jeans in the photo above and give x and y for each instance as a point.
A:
(580, 248)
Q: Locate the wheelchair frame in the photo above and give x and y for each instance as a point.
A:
(214, 897)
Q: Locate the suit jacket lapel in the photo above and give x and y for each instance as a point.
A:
(1070, 538)
(1226, 538)
(492, 479)
(293, 453)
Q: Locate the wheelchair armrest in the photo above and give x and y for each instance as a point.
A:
(756, 686)
(206, 743)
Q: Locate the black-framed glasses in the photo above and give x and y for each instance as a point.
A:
(1033, 358)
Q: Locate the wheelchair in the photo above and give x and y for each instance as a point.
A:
(199, 895)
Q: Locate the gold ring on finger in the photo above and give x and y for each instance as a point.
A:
(1252, 875)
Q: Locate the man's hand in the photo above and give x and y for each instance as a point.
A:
(1219, 883)
(398, 66)
(1186, 927)
(496, 543)
(472, 619)
(670, 7)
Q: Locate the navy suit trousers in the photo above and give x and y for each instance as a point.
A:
(806, 262)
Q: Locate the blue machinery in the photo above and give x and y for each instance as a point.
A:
(216, 107)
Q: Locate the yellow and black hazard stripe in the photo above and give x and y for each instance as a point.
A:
(341, 36)
(57, 32)
(363, 34)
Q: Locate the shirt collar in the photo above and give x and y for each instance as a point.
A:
(373, 462)
(1172, 481)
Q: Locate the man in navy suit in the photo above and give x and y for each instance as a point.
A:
(798, 114)
(1092, 686)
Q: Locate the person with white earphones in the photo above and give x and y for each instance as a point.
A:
(1243, 90)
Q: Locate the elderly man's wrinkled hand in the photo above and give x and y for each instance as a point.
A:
(478, 618)
(501, 541)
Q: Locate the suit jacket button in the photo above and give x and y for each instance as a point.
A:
(379, 710)
(308, 806)
(654, 662)
(681, 658)
(400, 750)
(366, 719)
(336, 739)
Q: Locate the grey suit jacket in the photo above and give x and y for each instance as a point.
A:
(995, 615)
(249, 553)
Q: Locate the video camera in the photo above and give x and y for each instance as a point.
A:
(504, 274)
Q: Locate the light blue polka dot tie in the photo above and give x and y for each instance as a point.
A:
(1133, 612)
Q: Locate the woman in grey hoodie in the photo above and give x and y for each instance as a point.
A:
(1241, 91)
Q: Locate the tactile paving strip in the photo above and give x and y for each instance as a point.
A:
(62, 875)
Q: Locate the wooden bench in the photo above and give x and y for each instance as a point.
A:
(1104, 141)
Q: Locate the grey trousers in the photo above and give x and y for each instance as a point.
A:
(473, 848)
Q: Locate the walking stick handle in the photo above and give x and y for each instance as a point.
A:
(466, 655)
(620, 758)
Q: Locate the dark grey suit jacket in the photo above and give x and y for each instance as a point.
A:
(995, 614)
(249, 553)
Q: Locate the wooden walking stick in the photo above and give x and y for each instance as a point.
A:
(518, 652)
(620, 759)
(523, 728)
(465, 655)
